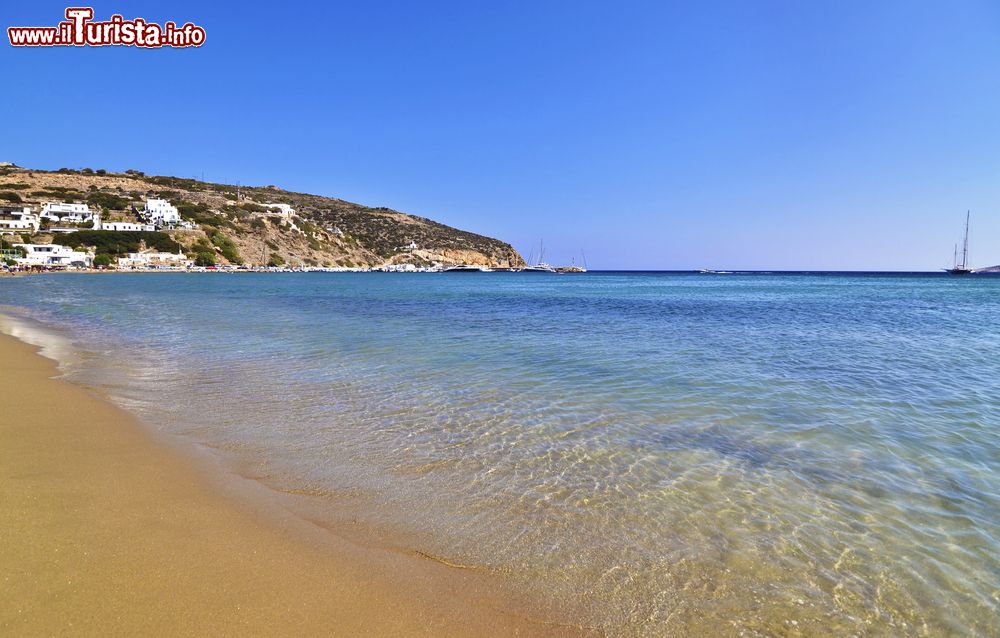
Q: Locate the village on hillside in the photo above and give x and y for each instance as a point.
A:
(61, 219)
(96, 220)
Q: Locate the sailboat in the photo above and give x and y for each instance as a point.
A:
(573, 268)
(540, 266)
(962, 267)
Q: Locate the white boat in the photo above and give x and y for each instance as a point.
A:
(468, 268)
(962, 267)
(539, 267)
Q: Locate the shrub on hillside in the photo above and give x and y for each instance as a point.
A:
(227, 247)
(175, 182)
(204, 259)
(117, 243)
(201, 214)
(59, 193)
(306, 227)
(5, 245)
(108, 201)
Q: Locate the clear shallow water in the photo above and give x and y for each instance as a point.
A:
(662, 453)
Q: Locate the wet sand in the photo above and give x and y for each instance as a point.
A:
(107, 530)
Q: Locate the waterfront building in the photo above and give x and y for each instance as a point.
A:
(53, 255)
(154, 259)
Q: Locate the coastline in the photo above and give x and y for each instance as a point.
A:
(108, 530)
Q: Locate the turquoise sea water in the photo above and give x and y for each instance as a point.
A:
(659, 453)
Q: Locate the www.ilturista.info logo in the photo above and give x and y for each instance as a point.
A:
(79, 30)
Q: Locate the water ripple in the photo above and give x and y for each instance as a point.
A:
(666, 454)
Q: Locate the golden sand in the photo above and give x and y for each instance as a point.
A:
(105, 530)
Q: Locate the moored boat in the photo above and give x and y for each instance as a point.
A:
(962, 267)
(468, 268)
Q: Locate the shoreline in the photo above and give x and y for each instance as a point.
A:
(109, 529)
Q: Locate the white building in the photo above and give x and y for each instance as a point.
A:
(127, 227)
(66, 212)
(53, 255)
(153, 259)
(95, 217)
(161, 212)
(13, 219)
(285, 210)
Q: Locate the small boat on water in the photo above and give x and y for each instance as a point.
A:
(962, 267)
(539, 266)
(573, 267)
(468, 268)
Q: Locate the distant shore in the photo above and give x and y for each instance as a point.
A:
(108, 531)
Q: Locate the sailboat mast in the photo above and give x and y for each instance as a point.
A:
(965, 246)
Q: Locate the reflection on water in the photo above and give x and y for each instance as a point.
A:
(752, 455)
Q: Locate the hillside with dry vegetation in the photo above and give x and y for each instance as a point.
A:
(235, 226)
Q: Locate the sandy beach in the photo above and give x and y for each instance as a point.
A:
(106, 530)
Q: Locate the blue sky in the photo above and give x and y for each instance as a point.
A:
(759, 135)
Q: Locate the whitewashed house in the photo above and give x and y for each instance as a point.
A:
(285, 210)
(154, 259)
(53, 255)
(17, 220)
(64, 212)
(128, 227)
(161, 213)
(65, 230)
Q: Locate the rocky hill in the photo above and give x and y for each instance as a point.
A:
(236, 223)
